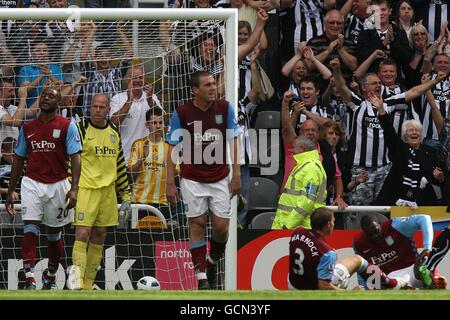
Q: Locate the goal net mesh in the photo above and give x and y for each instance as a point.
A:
(65, 53)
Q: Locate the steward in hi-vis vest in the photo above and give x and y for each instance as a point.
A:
(305, 189)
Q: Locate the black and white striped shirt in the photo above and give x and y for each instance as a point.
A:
(441, 92)
(341, 115)
(445, 139)
(434, 14)
(99, 83)
(6, 27)
(245, 77)
(186, 29)
(399, 116)
(316, 109)
(245, 110)
(367, 137)
(308, 16)
(222, 4)
(294, 88)
(214, 68)
(353, 27)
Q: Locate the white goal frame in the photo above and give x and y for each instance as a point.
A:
(229, 16)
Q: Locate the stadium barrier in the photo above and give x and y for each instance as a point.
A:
(146, 247)
(263, 255)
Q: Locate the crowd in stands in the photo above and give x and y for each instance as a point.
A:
(357, 72)
(335, 57)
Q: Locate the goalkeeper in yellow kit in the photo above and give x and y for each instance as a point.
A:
(103, 173)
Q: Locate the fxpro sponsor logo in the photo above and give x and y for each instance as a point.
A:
(383, 258)
(113, 274)
(208, 136)
(42, 146)
(105, 151)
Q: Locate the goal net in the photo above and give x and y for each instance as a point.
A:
(91, 51)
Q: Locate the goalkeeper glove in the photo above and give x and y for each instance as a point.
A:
(125, 211)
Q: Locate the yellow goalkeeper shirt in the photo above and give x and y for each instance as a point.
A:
(150, 183)
(102, 160)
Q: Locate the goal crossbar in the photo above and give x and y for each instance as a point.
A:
(114, 13)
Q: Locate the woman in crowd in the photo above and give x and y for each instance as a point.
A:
(405, 16)
(334, 135)
(296, 68)
(414, 164)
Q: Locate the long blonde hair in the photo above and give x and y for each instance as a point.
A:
(415, 28)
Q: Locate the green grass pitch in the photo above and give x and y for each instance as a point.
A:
(225, 295)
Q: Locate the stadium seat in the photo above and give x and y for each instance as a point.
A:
(268, 120)
(277, 177)
(352, 221)
(262, 220)
(263, 194)
(264, 106)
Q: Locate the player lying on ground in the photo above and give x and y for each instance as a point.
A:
(391, 246)
(312, 262)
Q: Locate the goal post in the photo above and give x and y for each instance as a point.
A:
(142, 30)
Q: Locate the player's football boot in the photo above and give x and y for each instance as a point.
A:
(424, 275)
(439, 281)
(48, 282)
(74, 281)
(211, 274)
(30, 285)
(402, 282)
(203, 284)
